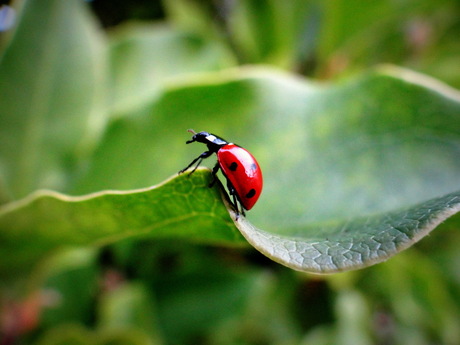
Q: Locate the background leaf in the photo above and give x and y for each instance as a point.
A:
(377, 151)
(128, 307)
(143, 57)
(51, 82)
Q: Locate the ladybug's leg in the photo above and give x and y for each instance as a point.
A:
(235, 202)
(198, 159)
(232, 192)
(214, 172)
(242, 211)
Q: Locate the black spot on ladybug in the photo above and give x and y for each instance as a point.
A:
(233, 166)
(251, 193)
(253, 167)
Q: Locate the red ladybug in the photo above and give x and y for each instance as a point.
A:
(240, 168)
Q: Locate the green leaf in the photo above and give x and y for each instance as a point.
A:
(128, 306)
(415, 34)
(72, 334)
(345, 27)
(361, 242)
(143, 57)
(75, 334)
(51, 75)
(205, 298)
(417, 290)
(354, 318)
(373, 158)
(179, 208)
(274, 32)
(354, 172)
(70, 279)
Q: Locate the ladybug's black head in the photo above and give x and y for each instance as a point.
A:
(200, 137)
(212, 141)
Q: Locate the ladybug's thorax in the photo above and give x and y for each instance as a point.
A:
(212, 141)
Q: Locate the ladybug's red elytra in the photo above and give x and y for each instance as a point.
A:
(240, 168)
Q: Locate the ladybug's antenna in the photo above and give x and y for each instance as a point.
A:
(193, 139)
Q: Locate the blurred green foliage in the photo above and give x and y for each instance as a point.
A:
(93, 91)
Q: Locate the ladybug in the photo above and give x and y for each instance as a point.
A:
(240, 168)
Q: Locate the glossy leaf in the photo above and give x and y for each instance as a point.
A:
(354, 172)
(358, 170)
(179, 208)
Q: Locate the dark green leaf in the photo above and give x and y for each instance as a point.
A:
(179, 208)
